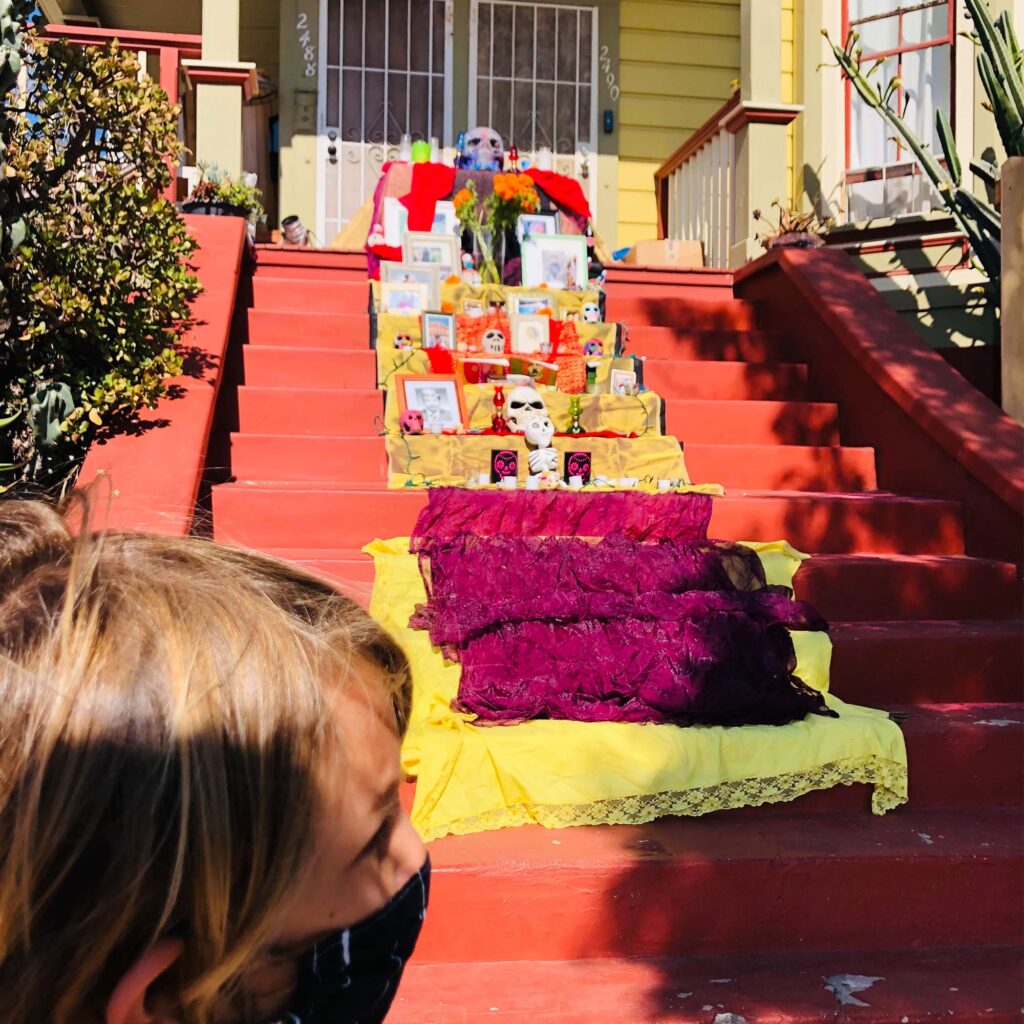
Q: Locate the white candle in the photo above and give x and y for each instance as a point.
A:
(575, 482)
(510, 483)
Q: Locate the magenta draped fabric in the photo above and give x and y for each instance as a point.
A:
(546, 624)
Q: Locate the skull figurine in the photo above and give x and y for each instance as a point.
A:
(539, 431)
(411, 422)
(484, 151)
(524, 404)
(593, 348)
(493, 341)
(591, 313)
(403, 341)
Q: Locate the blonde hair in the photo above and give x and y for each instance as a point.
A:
(162, 712)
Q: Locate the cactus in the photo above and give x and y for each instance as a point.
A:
(999, 66)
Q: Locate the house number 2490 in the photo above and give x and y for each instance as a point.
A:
(306, 44)
(609, 75)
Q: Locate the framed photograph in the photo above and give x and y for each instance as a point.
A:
(531, 335)
(531, 305)
(623, 382)
(396, 221)
(414, 273)
(441, 251)
(446, 221)
(532, 224)
(437, 396)
(439, 331)
(404, 299)
(473, 307)
(558, 261)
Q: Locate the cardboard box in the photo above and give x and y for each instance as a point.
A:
(666, 252)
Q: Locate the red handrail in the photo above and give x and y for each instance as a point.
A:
(171, 47)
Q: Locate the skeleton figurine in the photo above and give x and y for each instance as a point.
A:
(484, 151)
(539, 431)
(524, 404)
(493, 341)
(591, 313)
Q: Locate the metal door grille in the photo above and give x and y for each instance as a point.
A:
(386, 71)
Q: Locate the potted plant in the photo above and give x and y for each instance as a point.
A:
(219, 195)
(793, 230)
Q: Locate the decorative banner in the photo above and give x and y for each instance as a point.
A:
(578, 464)
(504, 462)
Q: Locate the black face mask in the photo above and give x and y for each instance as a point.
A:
(352, 977)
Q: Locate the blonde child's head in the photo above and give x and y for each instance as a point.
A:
(189, 735)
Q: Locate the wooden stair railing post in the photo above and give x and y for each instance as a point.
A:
(1012, 313)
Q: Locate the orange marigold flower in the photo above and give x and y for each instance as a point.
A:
(452, 279)
(447, 307)
(462, 197)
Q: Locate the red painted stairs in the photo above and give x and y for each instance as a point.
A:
(743, 912)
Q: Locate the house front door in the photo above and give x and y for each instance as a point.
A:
(533, 78)
(385, 71)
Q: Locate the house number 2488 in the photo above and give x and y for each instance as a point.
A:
(306, 44)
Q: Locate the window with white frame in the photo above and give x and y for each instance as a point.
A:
(914, 40)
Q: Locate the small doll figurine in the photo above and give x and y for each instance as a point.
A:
(513, 159)
(498, 424)
(376, 236)
(469, 273)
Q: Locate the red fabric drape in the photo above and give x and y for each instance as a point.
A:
(430, 182)
(564, 192)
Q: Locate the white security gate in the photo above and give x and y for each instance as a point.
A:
(533, 78)
(385, 71)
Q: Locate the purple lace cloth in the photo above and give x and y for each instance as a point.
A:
(684, 630)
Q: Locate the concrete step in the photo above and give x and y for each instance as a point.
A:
(893, 587)
(702, 343)
(636, 306)
(325, 516)
(785, 467)
(291, 366)
(723, 884)
(752, 423)
(911, 986)
(725, 379)
(311, 264)
(310, 295)
(349, 331)
(922, 662)
(288, 410)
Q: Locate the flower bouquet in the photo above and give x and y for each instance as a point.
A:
(513, 195)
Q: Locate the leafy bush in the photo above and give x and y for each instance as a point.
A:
(98, 296)
(215, 187)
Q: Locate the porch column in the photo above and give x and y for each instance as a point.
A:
(220, 81)
(759, 124)
(1012, 312)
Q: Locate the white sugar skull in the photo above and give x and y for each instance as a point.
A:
(538, 431)
(493, 341)
(524, 404)
(591, 313)
(483, 150)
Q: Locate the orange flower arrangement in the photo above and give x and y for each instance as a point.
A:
(517, 189)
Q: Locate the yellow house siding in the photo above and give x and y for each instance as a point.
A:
(789, 91)
(677, 60)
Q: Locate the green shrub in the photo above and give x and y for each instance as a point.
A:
(98, 296)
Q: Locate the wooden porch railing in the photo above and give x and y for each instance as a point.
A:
(163, 49)
(694, 185)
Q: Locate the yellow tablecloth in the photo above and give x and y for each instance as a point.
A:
(470, 779)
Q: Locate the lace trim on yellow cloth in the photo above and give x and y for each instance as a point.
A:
(889, 779)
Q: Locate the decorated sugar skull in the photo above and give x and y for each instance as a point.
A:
(591, 313)
(403, 340)
(483, 151)
(493, 341)
(524, 404)
(411, 422)
(593, 348)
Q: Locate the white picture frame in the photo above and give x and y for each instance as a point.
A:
(533, 224)
(527, 304)
(403, 299)
(531, 335)
(555, 261)
(414, 273)
(438, 331)
(396, 221)
(441, 251)
(446, 220)
(622, 382)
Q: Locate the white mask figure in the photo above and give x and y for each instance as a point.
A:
(523, 405)
(493, 342)
(484, 150)
(591, 313)
(538, 433)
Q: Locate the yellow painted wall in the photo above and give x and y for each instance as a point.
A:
(789, 89)
(677, 60)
